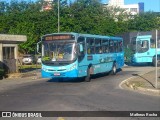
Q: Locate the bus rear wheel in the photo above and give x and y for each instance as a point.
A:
(88, 77)
(114, 69)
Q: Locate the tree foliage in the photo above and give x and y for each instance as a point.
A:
(144, 22)
(83, 16)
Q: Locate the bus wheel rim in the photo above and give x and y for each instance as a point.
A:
(114, 69)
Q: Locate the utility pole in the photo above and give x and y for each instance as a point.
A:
(58, 18)
(156, 82)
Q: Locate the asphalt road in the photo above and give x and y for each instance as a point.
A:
(101, 94)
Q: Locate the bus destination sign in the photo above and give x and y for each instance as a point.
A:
(59, 37)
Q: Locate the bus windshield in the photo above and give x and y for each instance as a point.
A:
(59, 51)
(140, 46)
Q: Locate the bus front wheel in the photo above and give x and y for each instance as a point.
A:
(88, 77)
(154, 61)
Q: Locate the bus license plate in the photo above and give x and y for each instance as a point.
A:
(56, 74)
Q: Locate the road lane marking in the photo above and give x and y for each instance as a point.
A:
(60, 118)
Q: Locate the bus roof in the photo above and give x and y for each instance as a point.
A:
(86, 35)
(144, 36)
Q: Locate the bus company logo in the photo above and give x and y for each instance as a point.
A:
(6, 114)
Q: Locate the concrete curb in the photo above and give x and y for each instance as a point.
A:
(132, 86)
(157, 92)
(34, 74)
(124, 81)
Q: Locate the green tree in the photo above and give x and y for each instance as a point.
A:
(82, 16)
(144, 22)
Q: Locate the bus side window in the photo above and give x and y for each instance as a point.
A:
(105, 46)
(98, 47)
(111, 46)
(120, 46)
(115, 46)
(90, 45)
(152, 43)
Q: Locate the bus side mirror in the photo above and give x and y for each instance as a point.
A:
(81, 48)
(38, 46)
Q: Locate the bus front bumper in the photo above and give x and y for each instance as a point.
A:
(66, 74)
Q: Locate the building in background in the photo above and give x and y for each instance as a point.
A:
(116, 2)
(141, 7)
(47, 5)
(9, 51)
(133, 9)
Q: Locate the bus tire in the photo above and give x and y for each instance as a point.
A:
(88, 77)
(154, 61)
(114, 69)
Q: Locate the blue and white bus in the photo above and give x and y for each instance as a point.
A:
(144, 50)
(73, 55)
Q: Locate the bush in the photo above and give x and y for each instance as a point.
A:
(127, 54)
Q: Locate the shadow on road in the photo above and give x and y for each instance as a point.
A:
(77, 80)
(66, 80)
(144, 79)
(139, 65)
